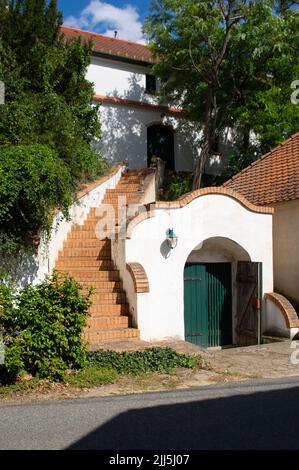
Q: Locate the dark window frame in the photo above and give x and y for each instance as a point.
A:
(150, 84)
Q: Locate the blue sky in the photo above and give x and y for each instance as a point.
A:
(106, 16)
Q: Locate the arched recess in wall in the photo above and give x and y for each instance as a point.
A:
(220, 293)
(160, 143)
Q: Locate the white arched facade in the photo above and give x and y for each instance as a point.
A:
(209, 225)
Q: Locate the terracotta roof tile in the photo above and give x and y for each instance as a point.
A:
(111, 46)
(273, 178)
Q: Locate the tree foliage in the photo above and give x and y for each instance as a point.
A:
(33, 182)
(48, 103)
(230, 63)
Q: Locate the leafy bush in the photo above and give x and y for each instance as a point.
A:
(149, 360)
(13, 363)
(33, 182)
(42, 328)
(176, 185)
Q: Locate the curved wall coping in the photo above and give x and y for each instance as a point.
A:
(188, 198)
(139, 277)
(285, 307)
(183, 201)
(138, 219)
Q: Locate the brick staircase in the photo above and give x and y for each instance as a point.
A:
(88, 259)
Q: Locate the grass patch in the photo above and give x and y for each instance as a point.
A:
(92, 376)
(21, 387)
(162, 360)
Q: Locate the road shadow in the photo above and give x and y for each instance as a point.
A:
(263, 420)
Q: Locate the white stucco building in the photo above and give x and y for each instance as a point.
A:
(134, 125)
(198, 269)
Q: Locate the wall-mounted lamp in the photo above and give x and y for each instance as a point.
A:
(172, 238)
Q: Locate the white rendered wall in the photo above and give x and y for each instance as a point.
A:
(121, 80)
(124, 136)
(49, 248)
(162, 312)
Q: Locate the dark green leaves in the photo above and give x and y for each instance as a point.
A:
(42, 328)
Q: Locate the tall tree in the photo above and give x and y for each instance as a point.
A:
(48, 99)
(48, 114)
(216, 56)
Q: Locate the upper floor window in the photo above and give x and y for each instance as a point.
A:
(150, 84)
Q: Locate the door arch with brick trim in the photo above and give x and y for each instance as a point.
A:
(221, 293)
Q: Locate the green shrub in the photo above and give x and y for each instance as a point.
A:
(33, 182)
(177, 184)
(149, 360)
(42, 328)
(13, 365)
(9, 339)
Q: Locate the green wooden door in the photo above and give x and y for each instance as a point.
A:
(208, 308)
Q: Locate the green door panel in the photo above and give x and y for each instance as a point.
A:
(196, 326)
(208, 304)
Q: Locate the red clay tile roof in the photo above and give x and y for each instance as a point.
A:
(273, 178)
(110, 46)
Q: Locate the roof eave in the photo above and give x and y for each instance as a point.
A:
(118, 58)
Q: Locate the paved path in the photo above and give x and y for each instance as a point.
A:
(266, 361)
(248, 415)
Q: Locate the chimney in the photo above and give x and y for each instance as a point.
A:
(115, 34)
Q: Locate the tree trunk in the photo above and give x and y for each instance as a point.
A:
(201, 163)
(209, 137)
(246, 139)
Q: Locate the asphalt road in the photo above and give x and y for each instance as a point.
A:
(251, 415)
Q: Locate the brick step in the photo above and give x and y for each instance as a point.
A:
(96, 336)
(124, 186)
(119, 205)
(83, 234)
(90, 263)
(118, 194)
(105, 221)
(93, 274)
(132, 180)
(98, 276)
(108, 297)
(120, 300)
(125, 191)
(96, 215)
(107, 322)
(86, 259)
(88, 225)
(118, 309)
(92, 228)
(85, 253)
(86, 243)
(97, 291)
(103, 286)
(125, 196)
